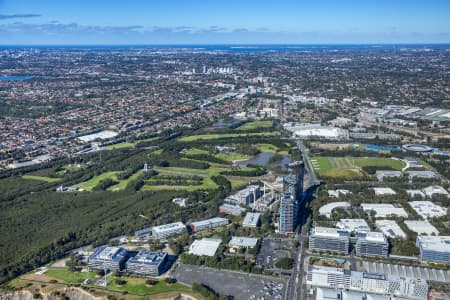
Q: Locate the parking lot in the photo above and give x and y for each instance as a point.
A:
(272, 250)
(240, 285)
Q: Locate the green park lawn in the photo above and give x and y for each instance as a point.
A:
(271, 149)
(91, 183)
(208, 184)
(232, 156)
(237, 183)
(193, 138)
(255, 125)
(350, 167)
(41, 178)
(135, 286)
(120, 146)
(196, 151)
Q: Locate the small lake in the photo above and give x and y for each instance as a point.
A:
(15, 78)
(262, 159)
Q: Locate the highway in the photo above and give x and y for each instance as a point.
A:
(294, 288)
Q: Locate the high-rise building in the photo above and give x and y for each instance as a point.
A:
(288, 214)
(291, 200)
(371, 244)
(329, 239)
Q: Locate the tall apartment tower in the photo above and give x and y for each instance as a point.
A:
(291, 200)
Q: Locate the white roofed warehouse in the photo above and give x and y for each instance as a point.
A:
(205, 247)
(238, 242)
(327, 209)
(251, 220)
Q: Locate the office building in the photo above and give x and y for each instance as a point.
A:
(147, 263)
(329, 239)
(251, 220)
(371, 244)
(434, 248)
(245, 196)
(168, 230)
(210, 223)
(229, 209)
(108, 258)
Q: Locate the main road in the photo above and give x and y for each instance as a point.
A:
(295, 288)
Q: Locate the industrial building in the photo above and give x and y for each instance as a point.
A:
(143, 232)
(353, 225)
(108, 258)
(329, 239)
(205, 247)
(383, 191)
(337, 192)
(434, 248)
(245, 196)
(383, 210)
(371, 244)
(307, 130)
(390, 229)
(210, 223)
(415, 193)
(251, 220)
(382, 174)
(238, 242)
(229, 209)
(421, 174)
(427, 209)
(330, 277)
(167, 230)
(147, 262)
(327, 209)
(421, 227)
(432, 190)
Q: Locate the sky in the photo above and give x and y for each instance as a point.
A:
(151, 22)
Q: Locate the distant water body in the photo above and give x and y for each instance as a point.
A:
(245, 48)
(15, 78)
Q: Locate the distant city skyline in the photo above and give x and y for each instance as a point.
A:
(113, 22)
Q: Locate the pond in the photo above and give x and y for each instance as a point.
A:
(263, 159)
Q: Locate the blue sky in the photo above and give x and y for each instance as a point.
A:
(223, 21)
